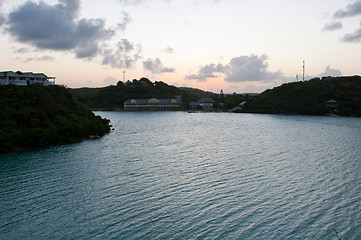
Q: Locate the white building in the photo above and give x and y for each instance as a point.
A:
(152, 104)
(24, 79)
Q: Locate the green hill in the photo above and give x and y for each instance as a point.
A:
(38, 116)
(113, 97)
(310, 97)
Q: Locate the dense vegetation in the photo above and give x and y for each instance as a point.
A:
(309, 97)
(113, 97)
(39, 116)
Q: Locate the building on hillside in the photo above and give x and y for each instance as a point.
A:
(152, 104)
(193, 105)
(332, 106)
(206, 103)
(24, 79)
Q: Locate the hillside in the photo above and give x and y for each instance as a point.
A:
(39, 116)
(309, 97)
(113, 97)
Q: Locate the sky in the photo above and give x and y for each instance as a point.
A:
(241, 46)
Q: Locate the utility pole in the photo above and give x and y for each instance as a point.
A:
(303, 70)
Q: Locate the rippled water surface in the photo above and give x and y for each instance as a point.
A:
(175, 175)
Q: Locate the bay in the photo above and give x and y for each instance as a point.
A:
(175, 175)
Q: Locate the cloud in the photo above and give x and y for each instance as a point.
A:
(55, 27)
(39, 59)
(240, 69)
(353, 37)
(352, 9)
(131, 2)
(72, 7)
(126, 21)
(135, 2)
(168, 50)
(156, 66)
(331, 72)
(22, 50)
(2, 18)
(110, 81)
(333, 26)
(123, 55)
(207, 71)
(250, 68)
(205, 1)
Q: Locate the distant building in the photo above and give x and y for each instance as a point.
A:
(152, 104)
(193, 105)
(24, 79)
(206, 103)
(332, 106)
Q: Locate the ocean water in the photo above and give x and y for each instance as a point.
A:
(176, 175)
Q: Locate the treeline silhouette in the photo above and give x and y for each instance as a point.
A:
(38, 116)
(113, 97)
(306, 97)
(310, 97)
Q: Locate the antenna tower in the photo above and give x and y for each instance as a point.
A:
(303, 71)
(124, 76)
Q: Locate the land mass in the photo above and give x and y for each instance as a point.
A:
(306, 97)
(329, 95)
(39, 116)
(113, 97)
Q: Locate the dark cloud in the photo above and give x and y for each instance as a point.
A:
(333, 26)
(352, 9)
(123, 55)
(54, 27)
(2, 19)
(156, 66)
(353, 37)
(240, 69)
(72, 7)
(208, 71)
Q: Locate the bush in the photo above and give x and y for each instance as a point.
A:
(40, 116)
